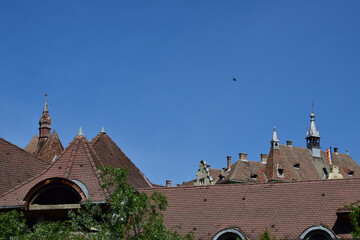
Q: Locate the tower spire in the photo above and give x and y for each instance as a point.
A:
(46, 109)
(274, 140)
(312, 135)
(45, 123)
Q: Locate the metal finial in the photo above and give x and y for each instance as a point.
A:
(80, 132)
(102, 130)
(46, 109)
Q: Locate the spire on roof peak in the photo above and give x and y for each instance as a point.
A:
(46, 109)
(80, 132)
(312, 135)
(45, 123)
(102, 130)
(275, 140)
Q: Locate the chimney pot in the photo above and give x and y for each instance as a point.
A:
(168, 183)
(243, 156)
(289, 143)
(263, 157)
(228, 162)
(336, 149)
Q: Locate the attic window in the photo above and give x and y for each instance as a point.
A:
(296, 165)
(350, 173)
(254, 176)
(221, 177)
(280, 172)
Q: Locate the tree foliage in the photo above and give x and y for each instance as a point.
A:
(354, 216)
(128, 215)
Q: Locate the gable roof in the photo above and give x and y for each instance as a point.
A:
(77, 162)
(110, 154)
(17, 165)
(285, 209)
(246, 172)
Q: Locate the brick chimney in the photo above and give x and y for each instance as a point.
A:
(263, 157)
(243, 156)
(168, 183)
(228, 158)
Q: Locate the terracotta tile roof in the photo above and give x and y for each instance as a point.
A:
(77, 162)
(245, 171)
(110, 154)
(309, 167)
(17, 165)
(32, 145)
(286, 209)
(51, 148)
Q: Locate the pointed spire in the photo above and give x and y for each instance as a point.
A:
(80, 132)
(275, 140)
(312, 135)
(46, 109)
(102, 130)
(45, 123)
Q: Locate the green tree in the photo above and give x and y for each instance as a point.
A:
(354, 216)
(266, 235)
(12, 224)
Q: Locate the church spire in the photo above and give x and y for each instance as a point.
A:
(275, 141)
(312, 135)
(45, 123)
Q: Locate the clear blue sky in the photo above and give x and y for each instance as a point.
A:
(158, 76)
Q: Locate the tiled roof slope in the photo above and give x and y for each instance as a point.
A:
(51, 148)
(32, 145)
(110, 154)
(77, 162)
(246, 172)
(285, 209)
(45, 150)
(17, 165)
(311, 168)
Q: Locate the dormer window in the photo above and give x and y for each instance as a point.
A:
(296, 165)
(254, 176)
(280, 172)
(350, 173)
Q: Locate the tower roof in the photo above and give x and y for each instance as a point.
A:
(312, 132)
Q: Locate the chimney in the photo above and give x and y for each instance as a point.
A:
(289, 143)
(336, 149)
(228, 162)
(243, 156)
(263, 157)
(168, 183)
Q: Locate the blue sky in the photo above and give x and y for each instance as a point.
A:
(158, 76)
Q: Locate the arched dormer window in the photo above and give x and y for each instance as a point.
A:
(317, 233)
(54, 193)
(229, 234)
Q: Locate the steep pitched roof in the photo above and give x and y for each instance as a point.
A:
(51, 148)
(110, 154)
(245, 171)
(47, 149)
(77, 162)
(17, 165)
(285, 209)
(32, 145)
(309, 167)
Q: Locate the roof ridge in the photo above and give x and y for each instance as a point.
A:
(96, 138)
(72, 157)
(93, 165)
